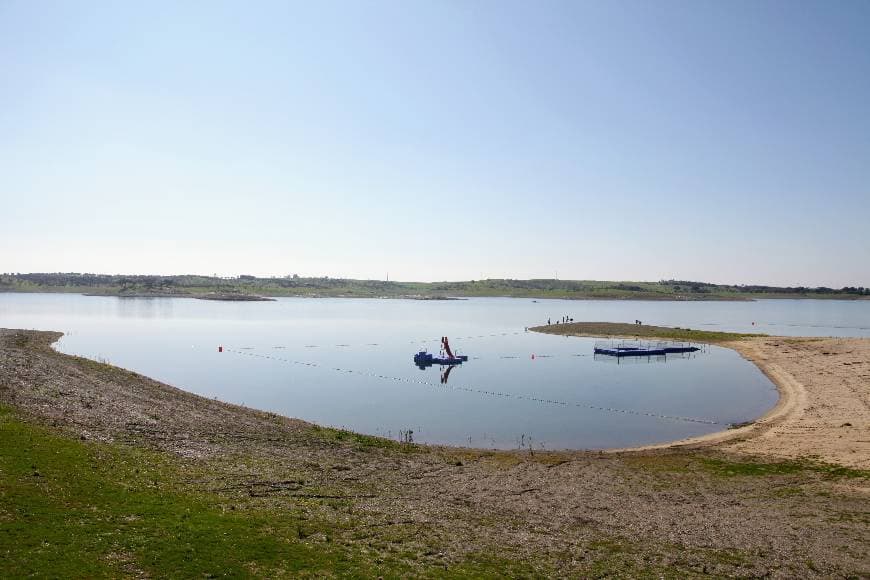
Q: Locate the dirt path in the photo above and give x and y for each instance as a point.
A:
(677, 512)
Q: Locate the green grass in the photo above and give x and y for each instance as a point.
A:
(723, 467)
(363, 442)
(69, 508)
(726, 468)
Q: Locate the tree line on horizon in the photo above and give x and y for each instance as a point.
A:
(760, 289)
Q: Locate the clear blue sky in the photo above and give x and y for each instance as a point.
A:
(438, 140)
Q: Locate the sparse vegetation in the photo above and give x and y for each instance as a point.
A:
(751, 468)
(643, 331)
(366, 442)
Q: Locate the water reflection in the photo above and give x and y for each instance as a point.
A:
(445, 374)
(446, 368)
(144, 307)
(628, 360)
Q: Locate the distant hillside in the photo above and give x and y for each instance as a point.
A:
(188, 285)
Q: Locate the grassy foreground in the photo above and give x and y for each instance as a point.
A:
(75, 509)
(70, 508)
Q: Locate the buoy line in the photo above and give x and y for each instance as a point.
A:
(485, 392)
(414, 341)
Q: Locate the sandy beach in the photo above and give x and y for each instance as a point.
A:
(824, 407)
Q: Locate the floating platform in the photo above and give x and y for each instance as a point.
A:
(425, 359)
(659, 349)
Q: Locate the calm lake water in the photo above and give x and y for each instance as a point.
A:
(347, 362)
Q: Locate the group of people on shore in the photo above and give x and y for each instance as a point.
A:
(567, 319)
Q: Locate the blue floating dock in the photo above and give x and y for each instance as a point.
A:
(425, 359)
(660, 349)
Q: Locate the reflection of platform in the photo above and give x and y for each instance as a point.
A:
(445, 370)
(635, 359)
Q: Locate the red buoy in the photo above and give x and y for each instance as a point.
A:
(220, 349)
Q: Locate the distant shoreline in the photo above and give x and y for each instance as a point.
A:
(327, 287)
(264, 297)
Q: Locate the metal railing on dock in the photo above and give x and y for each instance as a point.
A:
(622, 348)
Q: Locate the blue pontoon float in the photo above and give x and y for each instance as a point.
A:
(424, 359)
(659, 349)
